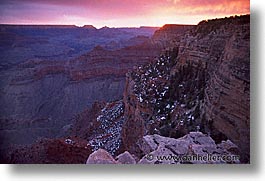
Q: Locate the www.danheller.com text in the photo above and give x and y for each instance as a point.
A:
(193, 157)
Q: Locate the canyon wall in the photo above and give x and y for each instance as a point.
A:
(225, 46)
(202, 84)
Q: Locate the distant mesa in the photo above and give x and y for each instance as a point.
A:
(89, 27)
(104, 28)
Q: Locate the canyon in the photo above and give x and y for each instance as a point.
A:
(120, 104)
(51, 73)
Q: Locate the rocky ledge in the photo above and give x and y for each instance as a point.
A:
(193, 148)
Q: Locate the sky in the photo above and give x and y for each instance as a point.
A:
(118, 13)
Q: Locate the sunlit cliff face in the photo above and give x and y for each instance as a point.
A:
(118, 13)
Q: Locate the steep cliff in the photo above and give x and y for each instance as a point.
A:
(201, 84)
(160, 98)
(225, 45)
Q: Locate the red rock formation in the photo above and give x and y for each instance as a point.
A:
(97, 63)
(101, 62)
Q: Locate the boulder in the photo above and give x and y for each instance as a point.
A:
(125, 158)
(101, 157)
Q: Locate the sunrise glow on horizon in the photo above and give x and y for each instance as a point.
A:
(118, 13)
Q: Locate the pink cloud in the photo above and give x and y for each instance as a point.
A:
(111, 12)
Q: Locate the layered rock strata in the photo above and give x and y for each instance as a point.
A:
(211, 65)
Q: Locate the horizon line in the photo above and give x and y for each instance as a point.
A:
(140, 26)
(83, 26)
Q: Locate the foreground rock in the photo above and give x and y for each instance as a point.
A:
(194, 148)
(126, 158)
(101, 157)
